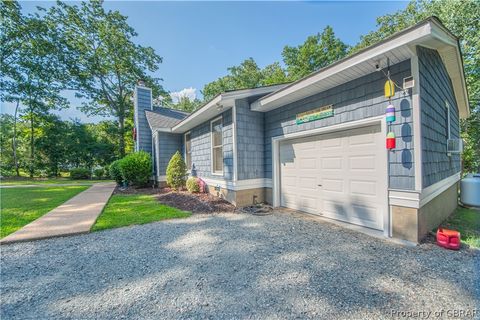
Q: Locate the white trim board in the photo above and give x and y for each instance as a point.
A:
(239, 184)
(417, 123)
(417, 199)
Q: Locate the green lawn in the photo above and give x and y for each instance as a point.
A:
(10, 182)
(20, 206)
(125, 210)
(467, 221)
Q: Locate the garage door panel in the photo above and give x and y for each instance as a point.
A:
(332, 185)
(332, 163)
(339, 175)
(308, 163)
(362, 162)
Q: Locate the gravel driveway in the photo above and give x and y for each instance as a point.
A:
(233, 266)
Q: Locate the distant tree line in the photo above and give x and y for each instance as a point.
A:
(59, 145)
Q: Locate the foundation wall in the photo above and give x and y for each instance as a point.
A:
(239, 198)
(413, 224)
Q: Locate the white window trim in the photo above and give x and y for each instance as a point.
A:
(215, 173)
(189, 169)
(447, 106)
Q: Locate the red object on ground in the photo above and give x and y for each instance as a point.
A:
(449, 239)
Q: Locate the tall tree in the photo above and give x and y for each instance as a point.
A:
(246, 75)
(103, 62)
(31, 66)
(316, 52)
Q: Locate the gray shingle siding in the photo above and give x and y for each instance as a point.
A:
(201, 148)
(435, 89)
(358, 99)
(168, 144)
(250, 141)
(144, 134)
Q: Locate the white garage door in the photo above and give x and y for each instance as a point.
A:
(339, 175)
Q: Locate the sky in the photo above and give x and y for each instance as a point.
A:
(198, 41)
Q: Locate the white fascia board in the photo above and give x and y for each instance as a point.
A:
(187, 122)
(454, 66)
(272, 101)
(226, 100)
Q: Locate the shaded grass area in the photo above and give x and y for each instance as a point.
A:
(124, 210)
(20, 206)
(10, 182)
(467, 221)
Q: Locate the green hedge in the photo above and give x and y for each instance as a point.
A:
(115, 173)
(136, 168)
(193, 185)
(80, 173)
(176, 171)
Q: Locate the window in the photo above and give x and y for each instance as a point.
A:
(217, 146)
(188, 151)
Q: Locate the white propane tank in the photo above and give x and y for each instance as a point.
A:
(470, 190)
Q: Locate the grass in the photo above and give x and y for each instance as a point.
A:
(20, 206)
(10, 182)
(467, 221)
(125, 210)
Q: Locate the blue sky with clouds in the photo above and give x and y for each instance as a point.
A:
(200, 40)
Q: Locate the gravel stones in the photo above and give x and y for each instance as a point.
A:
(232, 266)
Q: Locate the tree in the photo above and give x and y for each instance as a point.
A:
(176, 171)
(246, 75)
(462, 18)
(186, 104)
(318, 51)
(31, 67)
(53, 143)
(103, 62)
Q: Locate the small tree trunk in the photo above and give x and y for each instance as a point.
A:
(32, 145)
(121, 135)
(14, 140)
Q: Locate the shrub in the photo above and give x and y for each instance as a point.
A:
(99, 173)
(176, 171)
(80, 173)
(136, 168)
(114, 171)
(193, 185)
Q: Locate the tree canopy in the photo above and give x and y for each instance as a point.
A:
(316, 52)
(102, 60)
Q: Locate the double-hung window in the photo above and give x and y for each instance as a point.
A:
(188, 150)
(217, 146)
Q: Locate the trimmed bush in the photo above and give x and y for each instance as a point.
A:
(99, 173)
(193, 185)
(136, 168)
(114, 171)
(176, 171)
(80, 173)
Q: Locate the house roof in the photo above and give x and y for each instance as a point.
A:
(221, 103)
(399, 47)
(164, 118)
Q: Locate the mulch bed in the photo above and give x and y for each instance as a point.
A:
(194, 202)
(183, 200)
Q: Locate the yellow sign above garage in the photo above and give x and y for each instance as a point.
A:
(316, 114)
